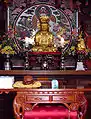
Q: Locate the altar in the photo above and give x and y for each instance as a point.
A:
(27, 100)
(46, 40)
(45, 60)
(70, 94)
(45, 36)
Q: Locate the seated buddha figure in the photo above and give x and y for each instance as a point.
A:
(44, 38)
(81, 45)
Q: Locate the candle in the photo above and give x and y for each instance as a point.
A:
(26, 41)
(62, 42)
(8, 19)
(77, 22)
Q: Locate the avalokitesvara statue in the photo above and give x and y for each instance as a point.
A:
(44, 39)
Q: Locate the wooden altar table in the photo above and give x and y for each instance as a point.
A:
(27, 99)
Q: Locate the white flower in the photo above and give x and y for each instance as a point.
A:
(28, 41)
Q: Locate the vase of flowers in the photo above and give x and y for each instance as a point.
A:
(7, 47)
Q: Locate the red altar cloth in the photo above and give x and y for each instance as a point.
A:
(50, 112)
(45, 53)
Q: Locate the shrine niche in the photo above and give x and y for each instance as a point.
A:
(24, 17)
(27, 22)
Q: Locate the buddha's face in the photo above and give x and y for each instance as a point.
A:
(44, 26)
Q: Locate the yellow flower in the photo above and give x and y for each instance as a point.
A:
(7, 50)
(72, 48)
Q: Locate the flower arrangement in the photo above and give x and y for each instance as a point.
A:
(88, 56)
(7, 50)
(7, 45)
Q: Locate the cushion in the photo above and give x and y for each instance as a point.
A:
(50, 112)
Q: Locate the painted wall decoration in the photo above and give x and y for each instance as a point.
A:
(28, 19)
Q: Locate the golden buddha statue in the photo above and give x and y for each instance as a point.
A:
(81, 44)
(44, 38)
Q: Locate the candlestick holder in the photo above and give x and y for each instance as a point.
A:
(7, 63)
(62, 67)
(26, 58)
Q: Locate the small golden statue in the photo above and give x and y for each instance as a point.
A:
(44, 38)
(81, 45)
